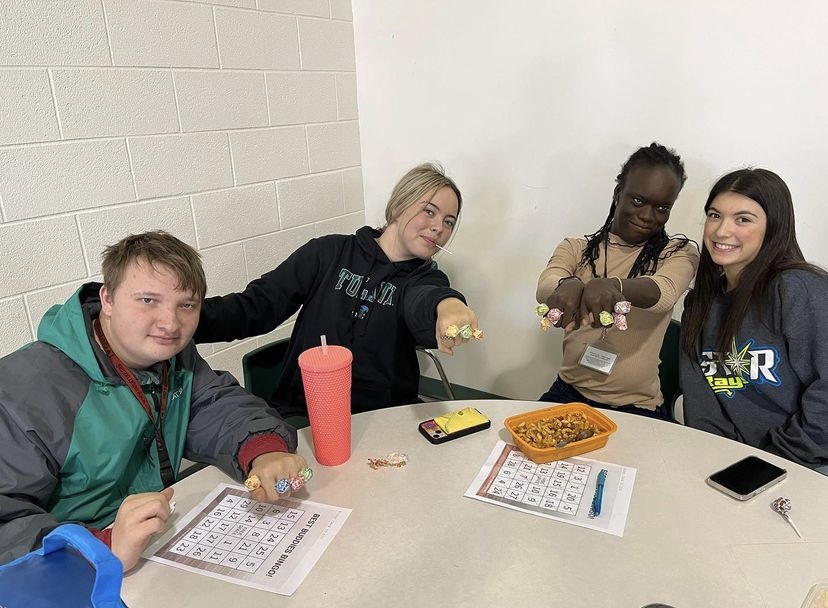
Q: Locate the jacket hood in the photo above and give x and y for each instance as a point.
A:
(366, 238)
(68, 327)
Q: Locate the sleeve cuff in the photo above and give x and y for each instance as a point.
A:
(105, 535)
(258, 445)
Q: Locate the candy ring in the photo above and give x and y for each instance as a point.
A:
(444, 337)
(541, 310)
(477, 334)
(306, 473)
(554, 315)
(282, 486)
(466, 332)
(253, 483)
(452, 331)
(605, 318)
(622, 307)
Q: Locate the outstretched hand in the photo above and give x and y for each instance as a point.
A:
(139, 517)
(599, 295)
(567, 298)
(452, 311)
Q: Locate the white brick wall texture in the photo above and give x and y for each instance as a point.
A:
(301, 97)
(232, 124)
(261, 155)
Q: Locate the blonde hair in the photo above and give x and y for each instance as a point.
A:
(156, 248)
(419, 181)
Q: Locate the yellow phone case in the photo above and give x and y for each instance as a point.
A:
(460, 420)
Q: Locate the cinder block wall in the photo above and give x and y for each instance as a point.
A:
(230, 123)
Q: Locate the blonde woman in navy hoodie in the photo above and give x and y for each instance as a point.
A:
(377, 292)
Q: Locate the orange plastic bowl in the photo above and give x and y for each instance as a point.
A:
(604, 426)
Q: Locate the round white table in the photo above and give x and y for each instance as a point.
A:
(413, 539)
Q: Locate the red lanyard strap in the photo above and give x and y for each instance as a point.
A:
(167, 473)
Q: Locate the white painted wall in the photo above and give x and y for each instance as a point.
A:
(230, 123)
(533, 106)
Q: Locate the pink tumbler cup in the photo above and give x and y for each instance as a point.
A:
(326, 375)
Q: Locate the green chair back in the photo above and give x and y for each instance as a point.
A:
(668, 369)
(263, 368)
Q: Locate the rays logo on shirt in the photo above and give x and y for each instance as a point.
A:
(743, 365)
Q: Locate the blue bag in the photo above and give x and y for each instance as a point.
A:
(72, 569)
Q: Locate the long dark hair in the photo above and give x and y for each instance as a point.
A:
(779, 251)
(654, 155)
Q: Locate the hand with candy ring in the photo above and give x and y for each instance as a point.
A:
(600, 295)
(266, 470)
(456, 324)
(567, 299)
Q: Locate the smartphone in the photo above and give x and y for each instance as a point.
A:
(454, 425)
(747, 478)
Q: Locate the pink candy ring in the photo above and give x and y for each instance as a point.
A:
(554, 315)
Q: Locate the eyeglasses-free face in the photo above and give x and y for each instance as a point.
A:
(734, 231)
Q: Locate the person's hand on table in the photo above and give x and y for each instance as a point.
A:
(567, 299)
(453, 313)
(271, 467)
(138, 518)
(599, 295)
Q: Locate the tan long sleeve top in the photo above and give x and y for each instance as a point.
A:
(634, 377)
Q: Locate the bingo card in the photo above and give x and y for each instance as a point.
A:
(562, 490)
(269, 546)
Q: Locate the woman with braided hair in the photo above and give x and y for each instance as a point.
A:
(629, 259)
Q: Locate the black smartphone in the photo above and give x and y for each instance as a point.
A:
(747, 478)
(454, 425)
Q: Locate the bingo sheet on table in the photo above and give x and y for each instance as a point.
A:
(269, 546)
(562, 490)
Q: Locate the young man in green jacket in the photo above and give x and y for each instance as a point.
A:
(96, 415)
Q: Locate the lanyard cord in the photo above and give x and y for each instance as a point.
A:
(167, 474)
(606, 254)
(606, 257)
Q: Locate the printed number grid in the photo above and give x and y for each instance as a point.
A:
(555, 486)
(233, 535)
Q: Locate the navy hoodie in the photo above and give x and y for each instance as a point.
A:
(350, 291)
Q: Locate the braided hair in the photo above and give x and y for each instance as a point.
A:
(654, 155)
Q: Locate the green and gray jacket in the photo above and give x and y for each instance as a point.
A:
(74, 441)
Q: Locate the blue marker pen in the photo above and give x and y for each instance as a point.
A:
(599, 492)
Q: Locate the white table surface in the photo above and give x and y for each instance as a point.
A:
(413, 539)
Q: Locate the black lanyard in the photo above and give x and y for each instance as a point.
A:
(606, 254)
(167, 474)
(606, 257)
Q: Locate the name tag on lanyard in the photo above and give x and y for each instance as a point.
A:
(599, 356)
